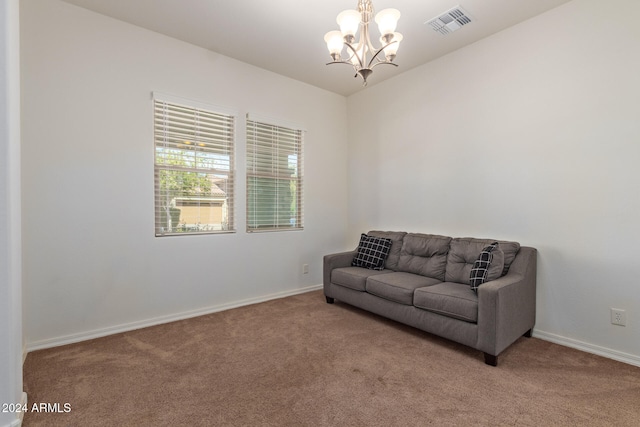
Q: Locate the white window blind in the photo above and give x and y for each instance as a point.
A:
(274, 177)
(194, 161)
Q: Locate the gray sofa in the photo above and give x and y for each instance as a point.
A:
(425, 283)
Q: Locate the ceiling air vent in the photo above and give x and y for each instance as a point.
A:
(450, 21)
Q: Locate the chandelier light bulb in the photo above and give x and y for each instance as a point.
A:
(349, 22)
(391, 50)
(335, 43)
(387, 21)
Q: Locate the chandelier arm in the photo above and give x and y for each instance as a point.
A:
(340, 62)
(378, 53)
(382, 63)
(360, 60)
(348, 63)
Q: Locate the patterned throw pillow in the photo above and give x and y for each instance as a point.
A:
(480, 269)
(372, 252)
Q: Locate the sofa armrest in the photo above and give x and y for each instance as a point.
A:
(342, 259)
(507, 305)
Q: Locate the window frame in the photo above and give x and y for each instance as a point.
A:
(220, 142)
(298, 133)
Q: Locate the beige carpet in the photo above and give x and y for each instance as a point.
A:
(298, 361)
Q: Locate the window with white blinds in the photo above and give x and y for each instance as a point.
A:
(194, 150)
(274, 177)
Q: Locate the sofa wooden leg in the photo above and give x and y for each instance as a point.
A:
(490, 359)
(329, 300)
(527, 334)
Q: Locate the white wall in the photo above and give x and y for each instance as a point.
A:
(10, 246)
(91, 262)
(532, 134)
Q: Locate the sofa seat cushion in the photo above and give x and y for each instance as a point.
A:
(449, 299)
(354, 277)
(398, 286)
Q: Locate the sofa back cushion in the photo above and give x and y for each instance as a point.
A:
(424, 254)
(396, 244)
(465, 250)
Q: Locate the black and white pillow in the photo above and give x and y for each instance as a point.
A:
(480, 269)
(372, 252)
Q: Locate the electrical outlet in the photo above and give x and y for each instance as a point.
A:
(305, 268)
(618, 317)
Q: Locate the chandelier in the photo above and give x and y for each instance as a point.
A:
(357, 53)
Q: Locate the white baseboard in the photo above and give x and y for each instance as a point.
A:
(97, 333)
(589, 348)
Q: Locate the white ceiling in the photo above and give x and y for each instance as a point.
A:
(286, 36)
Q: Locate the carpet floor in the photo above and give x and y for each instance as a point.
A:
(298, 361)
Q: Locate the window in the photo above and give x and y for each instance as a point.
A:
(274, 177)
(193, 168)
